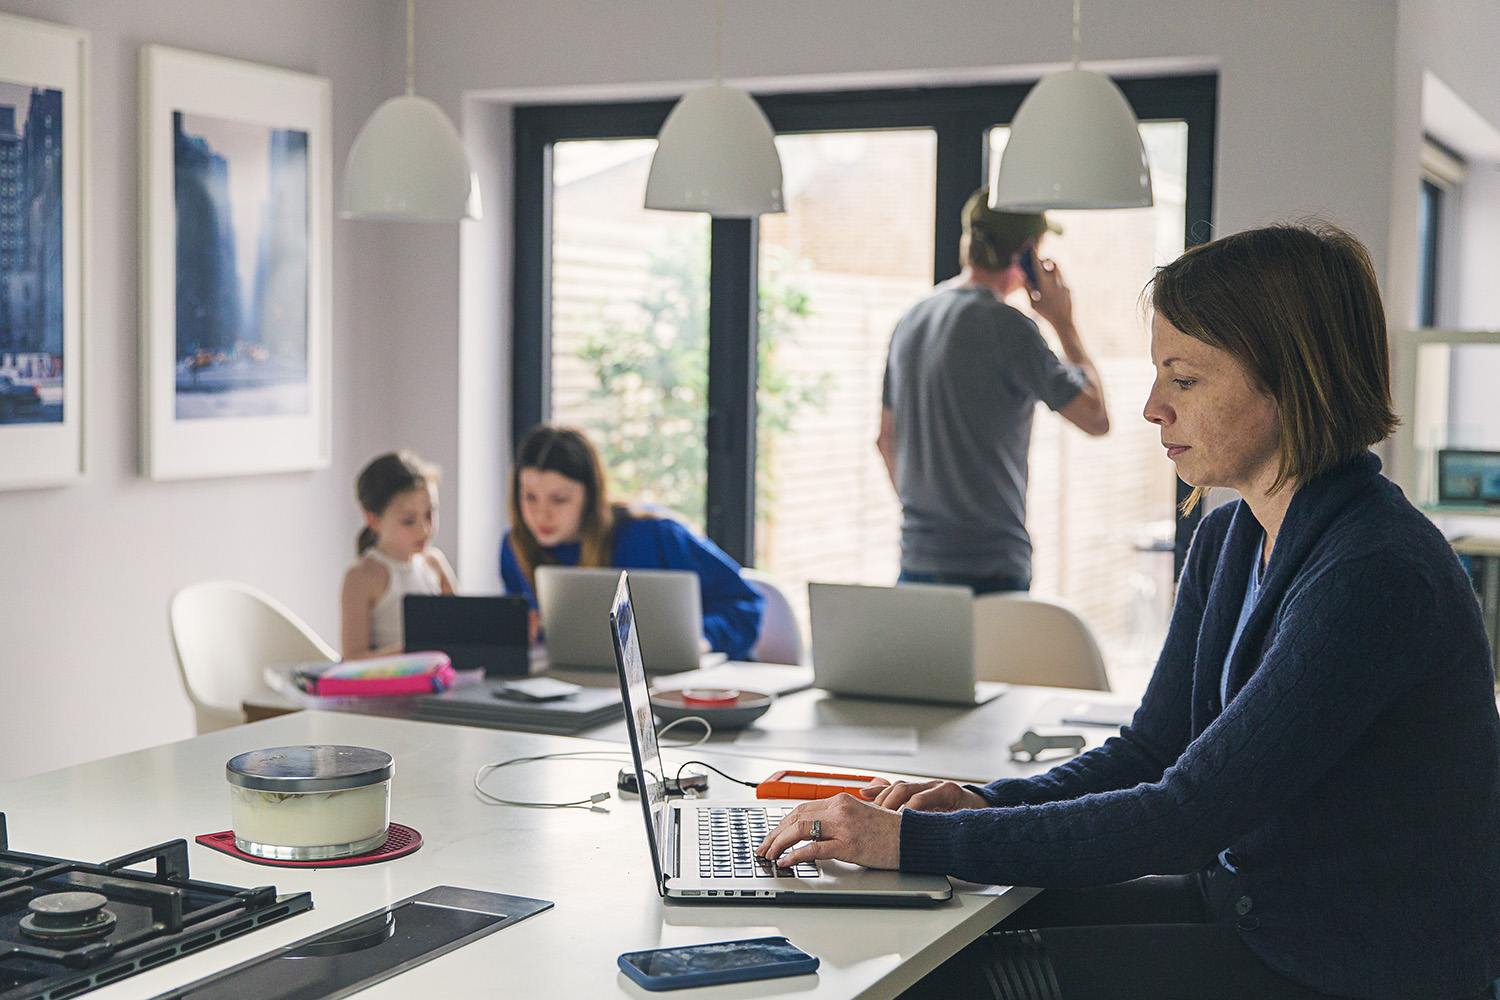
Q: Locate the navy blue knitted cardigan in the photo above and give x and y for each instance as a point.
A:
(1355, 773)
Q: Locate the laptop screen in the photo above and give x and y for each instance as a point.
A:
(573, 600)
(636, 695)
(487, 633)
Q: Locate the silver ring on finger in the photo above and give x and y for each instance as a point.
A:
(815, 832)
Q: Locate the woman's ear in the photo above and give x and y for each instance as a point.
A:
(372, 521)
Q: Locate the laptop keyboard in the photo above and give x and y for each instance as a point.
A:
(727, 839)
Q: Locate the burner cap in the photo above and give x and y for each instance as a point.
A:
(67, 915)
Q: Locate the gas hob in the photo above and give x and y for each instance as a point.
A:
(67, 927)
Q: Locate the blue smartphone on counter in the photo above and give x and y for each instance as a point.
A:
(718, 962)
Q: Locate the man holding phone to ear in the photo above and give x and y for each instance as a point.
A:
(962, 380)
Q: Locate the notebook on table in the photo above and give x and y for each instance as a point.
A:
(574, 602)
(702, 849)
(487, 633)
(911, 642)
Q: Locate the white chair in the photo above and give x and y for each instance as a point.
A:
(225, 634)
(1030, 639)
(780, 639)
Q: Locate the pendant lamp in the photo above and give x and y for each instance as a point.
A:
(1074, 143)
(407, 163)
(716, 152)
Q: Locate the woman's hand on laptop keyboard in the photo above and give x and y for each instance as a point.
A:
(842, 828)
(925, 796)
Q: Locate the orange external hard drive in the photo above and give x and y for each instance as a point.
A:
(809, 785)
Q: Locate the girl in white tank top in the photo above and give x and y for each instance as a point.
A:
(398, 493)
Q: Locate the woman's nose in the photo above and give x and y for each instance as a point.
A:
(1154, 411)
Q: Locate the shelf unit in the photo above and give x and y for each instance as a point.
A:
(1423, 365)
(1423, 360)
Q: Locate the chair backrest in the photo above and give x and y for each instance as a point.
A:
(225, 634)
(1031, 639)
(780, 639)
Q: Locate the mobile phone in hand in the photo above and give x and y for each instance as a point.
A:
(719, 962)
(1028, 267)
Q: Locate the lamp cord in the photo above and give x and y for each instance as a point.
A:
(1076, 20)
(411, 47)
(718, 42)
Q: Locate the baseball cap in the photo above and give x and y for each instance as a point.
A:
(1005, 232)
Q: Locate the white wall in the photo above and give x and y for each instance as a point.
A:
(1319, 113)
(1478, 300)
(86, 664)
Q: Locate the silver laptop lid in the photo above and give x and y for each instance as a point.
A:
(573, 600)
(635, 693)
(912, 642)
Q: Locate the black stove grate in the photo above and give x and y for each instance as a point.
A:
(158, 916)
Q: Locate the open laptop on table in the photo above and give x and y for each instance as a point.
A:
(911, 642)
(574, 601)
(475, 632)
(702, 849)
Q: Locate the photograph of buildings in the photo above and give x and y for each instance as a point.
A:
(31, 254)
(241, 194)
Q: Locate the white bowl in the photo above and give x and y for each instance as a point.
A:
(732, 710)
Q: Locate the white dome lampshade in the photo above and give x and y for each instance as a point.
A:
(716, 153)
(1074, 143)
(408, 164)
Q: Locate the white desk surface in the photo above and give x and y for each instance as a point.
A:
(965, 744)
(594, 866)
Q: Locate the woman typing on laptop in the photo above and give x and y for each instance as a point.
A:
(561, 514)
(1313, 776)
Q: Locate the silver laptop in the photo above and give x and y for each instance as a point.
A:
(911, 642)
(574, 602)
(703, 849)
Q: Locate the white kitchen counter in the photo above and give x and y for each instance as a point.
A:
(593, 865)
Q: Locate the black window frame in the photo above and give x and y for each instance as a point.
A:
(961, 118)
(1429, 235)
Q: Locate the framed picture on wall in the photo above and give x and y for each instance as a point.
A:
(42, 124)
(235, 220)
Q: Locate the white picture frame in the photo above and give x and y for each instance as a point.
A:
(233, 381)
(43, 103)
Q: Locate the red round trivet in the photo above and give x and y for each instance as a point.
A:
(399, 841)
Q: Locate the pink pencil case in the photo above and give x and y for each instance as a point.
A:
(401, 673)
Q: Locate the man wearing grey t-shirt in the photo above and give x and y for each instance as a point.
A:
(962, 380)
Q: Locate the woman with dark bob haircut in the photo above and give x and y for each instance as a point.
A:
(1307, 802)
